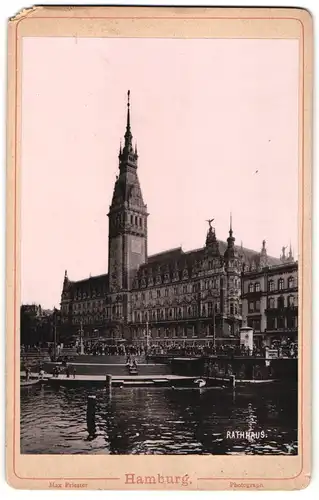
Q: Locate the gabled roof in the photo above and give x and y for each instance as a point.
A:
(98, 283)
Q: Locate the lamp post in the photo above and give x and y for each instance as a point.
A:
(214, 327)
(81, 338)
(54, 334)
(147, 336)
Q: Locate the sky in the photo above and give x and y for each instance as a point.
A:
(206, 115)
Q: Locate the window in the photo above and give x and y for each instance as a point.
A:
(204, 310)
(280, 284)
(251, 288)
(206, 285)
(189, 311)
(290, 282)
(135, 220)
(143, 296)
(166, 292)
(281, 322)
(291, 300)
(150, 294)
(271, 323)
(185, 289)
(216, 307)
(210, 308)
(175, 290)
(257, 287)
(290, 321)
(257, 306)
(231, 309)
(271, 285)
(251, 307)
(158, 294)
(256, 325)
(179, 312)
(281, 302)
(271, 303)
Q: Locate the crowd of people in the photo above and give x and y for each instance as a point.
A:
(279, 348)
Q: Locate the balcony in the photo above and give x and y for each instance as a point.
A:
(282, 311)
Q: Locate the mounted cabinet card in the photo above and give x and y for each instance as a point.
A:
(158, 248)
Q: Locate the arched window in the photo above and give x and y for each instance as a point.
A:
(281, 302)
(280, 284)
(166, 292)
(291, 282)
(257, 287)
(189, 311)
(231, 309)
(185, 289)
(204, 310)
(179, 312)
(271, 285)
(291, 301)
(271, 303)
(251, 288)
(135, 220)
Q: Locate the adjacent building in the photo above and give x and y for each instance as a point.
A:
(270, 301)
(173, 296)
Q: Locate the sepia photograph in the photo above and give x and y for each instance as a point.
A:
(159, 246)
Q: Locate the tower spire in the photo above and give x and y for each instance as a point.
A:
(128, 133)
(231, 225)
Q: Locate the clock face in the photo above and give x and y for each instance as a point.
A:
(136, 245)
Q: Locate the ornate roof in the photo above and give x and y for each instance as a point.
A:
(94, 284)
(177, 261)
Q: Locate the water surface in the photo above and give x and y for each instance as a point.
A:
(159, 421)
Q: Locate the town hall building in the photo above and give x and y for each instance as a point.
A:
(173, 296)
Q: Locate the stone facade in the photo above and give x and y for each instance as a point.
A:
(270, 301)
(172, 296)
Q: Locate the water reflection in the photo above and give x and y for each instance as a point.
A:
(160, 421)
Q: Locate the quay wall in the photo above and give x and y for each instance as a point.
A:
(250, 368)
(111, 369)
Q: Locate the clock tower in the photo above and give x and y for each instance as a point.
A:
(127, 218)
